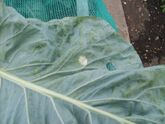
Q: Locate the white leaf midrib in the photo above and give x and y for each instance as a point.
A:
(47, 92)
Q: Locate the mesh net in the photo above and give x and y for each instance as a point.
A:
(57, 9)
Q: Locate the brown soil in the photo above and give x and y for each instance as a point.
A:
(146, 24)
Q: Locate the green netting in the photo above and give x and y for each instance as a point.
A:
(57, 9)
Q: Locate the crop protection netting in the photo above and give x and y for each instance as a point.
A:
(57, 9)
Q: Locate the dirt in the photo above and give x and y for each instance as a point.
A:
(146, 24)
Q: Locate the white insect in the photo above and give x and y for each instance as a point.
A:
(83, 60)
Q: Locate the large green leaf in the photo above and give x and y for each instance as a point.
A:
(141, 102)
(74, 71)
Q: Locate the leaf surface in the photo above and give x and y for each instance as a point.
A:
(74, 71)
